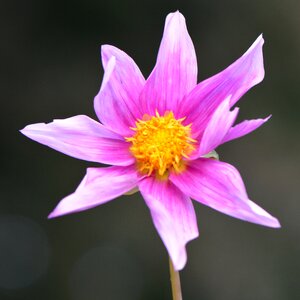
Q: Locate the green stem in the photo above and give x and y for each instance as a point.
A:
(175, 282)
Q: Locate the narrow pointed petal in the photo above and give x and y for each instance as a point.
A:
(236, 80)
(83, 138)
(99, 186)
(175, 72)
(220, 186)
(244, 128)
(217, 128)
(117, 103)
(173, 216)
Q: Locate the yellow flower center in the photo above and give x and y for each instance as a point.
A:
(160, 143)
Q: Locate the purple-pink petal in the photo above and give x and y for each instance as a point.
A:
(117, 103)
(82, 137)
(217, 128)
(243, 128)
(173, 216)
(236, 80)
(220, 186)
(175, 72)
(99, 186)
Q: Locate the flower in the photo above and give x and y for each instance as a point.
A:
(159, 135)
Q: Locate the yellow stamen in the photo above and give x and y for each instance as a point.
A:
(160, 143)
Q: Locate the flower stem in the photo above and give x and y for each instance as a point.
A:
(175, 282)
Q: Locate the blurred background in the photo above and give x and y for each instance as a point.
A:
(50, 68)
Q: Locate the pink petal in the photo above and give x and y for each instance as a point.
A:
(220, 186)
(175, 72)
(99, 186)
(236, 80)
(83, 138)
(117, 103)
(243, 128)
(217, 128)
(173, 216)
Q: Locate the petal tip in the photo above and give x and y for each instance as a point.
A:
(106, 51)
(106, 54)
(267, 118)
(258, 43)
(261, 38)
(178, 266)
(52, 215)
(22, 130)
(181, 260)
(175, 19)
(176, 13)
(104, 47)
(274, 223)
(27, 130)
(58, 213)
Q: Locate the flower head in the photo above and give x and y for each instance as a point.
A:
(158, 134)
(160, 144)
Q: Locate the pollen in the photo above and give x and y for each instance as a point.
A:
(160, 144)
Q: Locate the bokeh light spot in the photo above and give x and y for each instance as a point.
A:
(106, 273)
(24, 253)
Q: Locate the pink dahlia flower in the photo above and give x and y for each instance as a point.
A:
(159, 135)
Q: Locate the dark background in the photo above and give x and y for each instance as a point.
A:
(50, 68)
